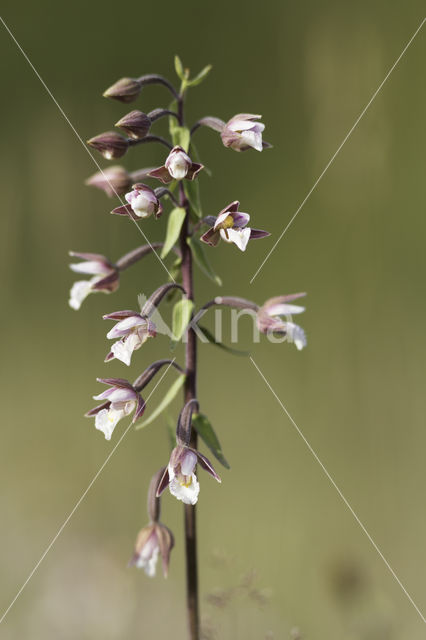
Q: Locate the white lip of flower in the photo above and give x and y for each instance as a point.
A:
(239, 237)
(148, 557)
(178, 165)
(250, 132)
(184, 484)
(80, 290)
(122, 404)
(296, 334)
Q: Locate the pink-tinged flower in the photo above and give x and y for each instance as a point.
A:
(269, 318)
(242, 132)
(105, 277)
(124, 90)
(178, 166)
(132, 329)
(120, 400)
(143, 203)
(135, 124)
(153, 540)
(110, 144)
(180, 474)
(112, 180)
(231, 226)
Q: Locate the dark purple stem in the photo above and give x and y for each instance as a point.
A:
(190, 392)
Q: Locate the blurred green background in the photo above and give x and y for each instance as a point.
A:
(278, 548)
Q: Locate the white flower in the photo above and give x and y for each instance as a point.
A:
(133, 331)
(120, 401)
(178, 164)
(183, 483)
(143, 201)
(242, 132)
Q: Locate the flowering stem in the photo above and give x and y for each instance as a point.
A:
(190, 392)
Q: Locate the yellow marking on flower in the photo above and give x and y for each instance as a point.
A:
(228, 223)
(186, 481)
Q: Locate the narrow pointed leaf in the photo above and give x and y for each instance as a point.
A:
(210, 337)
(181, 137)
(201, 260)
(174, 225)
(192, 191)
(180, 72)
(200, 76)
(182, 312)
(167, 399)
(206, 432)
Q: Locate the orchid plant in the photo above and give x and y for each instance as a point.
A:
(188, 237)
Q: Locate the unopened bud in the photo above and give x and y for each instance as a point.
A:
(110, 144)
(113, 180)
(124, 90)
(136, 124)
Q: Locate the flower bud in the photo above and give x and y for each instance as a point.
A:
(143, 201)
(110, 144)
(113, 180)
(124, 90)
(135, 124)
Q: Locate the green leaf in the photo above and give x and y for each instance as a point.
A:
(173, 124)
(167, 399)
(181, 137)
(200, 77)
(201, 259)
(181, 317)
(192, 191)
(206, 432)
(174, 225)
(210, 337)
(180, 72)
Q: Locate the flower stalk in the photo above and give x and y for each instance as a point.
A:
(185, 238)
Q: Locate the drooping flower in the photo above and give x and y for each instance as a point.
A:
(231, 226)
(269, 318)
(180, 474)
(121, 399)
(153, 540)
(132, 329)
(105, 277)
(243, 132)
(178, 166)
(143, 203)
